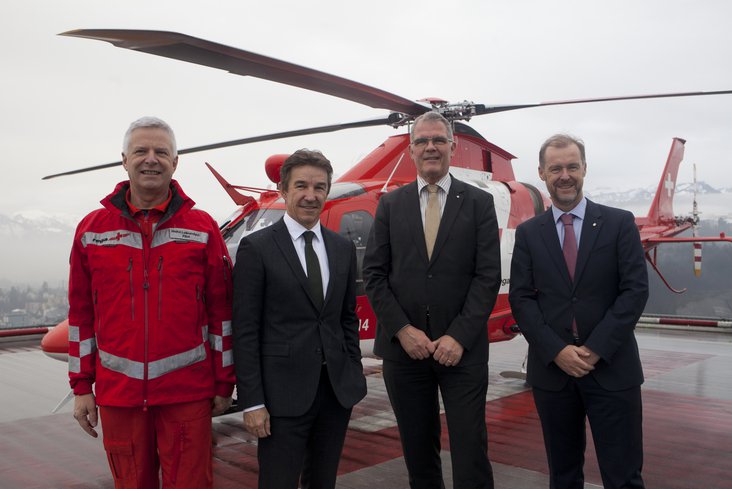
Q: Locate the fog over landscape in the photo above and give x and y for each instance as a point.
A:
(36, 245)
(36, 248)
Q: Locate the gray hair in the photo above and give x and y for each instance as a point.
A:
(149, 122)
(431, 116)
(561, 141)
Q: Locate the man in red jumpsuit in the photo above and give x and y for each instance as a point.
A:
(150, 321)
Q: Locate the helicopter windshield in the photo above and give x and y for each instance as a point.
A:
(342, 190)
(259, 219)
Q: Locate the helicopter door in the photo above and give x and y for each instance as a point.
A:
(535, 198)
(352, 222)
(356, 226)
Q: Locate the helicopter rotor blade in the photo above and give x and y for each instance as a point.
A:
(237, 61)
(403, 111)
(249, 140)
(486, 109)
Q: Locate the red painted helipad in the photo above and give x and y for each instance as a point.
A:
(687, 425)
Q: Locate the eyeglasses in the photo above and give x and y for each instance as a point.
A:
(437, 141)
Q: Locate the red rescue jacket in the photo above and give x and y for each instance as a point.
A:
(150, 320)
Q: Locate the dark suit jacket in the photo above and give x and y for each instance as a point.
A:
(607, 297)
(454, 292)
(280, 338)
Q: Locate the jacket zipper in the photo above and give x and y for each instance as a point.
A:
(227, 273)
(98, 315)
(198, 308)
(145, 287)
(160, 287)
(132, 289)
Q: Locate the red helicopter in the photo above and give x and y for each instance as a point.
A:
(353, 198)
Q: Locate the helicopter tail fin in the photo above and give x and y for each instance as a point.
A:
(662, 206)
(238, 198)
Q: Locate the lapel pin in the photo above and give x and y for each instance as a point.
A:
(594, 224)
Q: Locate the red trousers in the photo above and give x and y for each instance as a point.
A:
(175, 438)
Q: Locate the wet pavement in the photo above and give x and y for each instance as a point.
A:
(687, 424)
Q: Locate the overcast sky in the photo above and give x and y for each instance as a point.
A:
(66, 102)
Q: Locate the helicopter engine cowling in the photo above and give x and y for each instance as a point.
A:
(272, 167)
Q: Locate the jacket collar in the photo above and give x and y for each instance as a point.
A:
(453, 203)
(117, 202)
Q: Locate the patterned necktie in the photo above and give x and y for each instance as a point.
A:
(315, 279)
(431, 219)
(570, 243)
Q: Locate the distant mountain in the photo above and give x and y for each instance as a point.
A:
(35, 248)
(647, 193)
(702, 188)
(713, 202)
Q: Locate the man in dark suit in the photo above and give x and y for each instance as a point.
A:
(296, 345)
(578, 286)
(432, 272)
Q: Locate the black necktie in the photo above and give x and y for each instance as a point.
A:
(315, 279)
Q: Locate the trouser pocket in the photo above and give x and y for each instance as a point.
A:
(122, 463)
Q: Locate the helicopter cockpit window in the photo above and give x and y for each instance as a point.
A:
(356, 226)
(344, 190)
(259, 219)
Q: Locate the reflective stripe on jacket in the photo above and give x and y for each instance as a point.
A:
(150, 319)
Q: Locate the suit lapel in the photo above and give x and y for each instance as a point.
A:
(333, 255)
(413, 216)
(590, 230)
(287, 247)
(454, 202)
(551, 241)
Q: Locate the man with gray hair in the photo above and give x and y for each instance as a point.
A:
(150, 321)
(432, 302)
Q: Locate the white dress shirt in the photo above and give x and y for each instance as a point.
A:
(296, 231)
(579, 217)
(443, 188)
